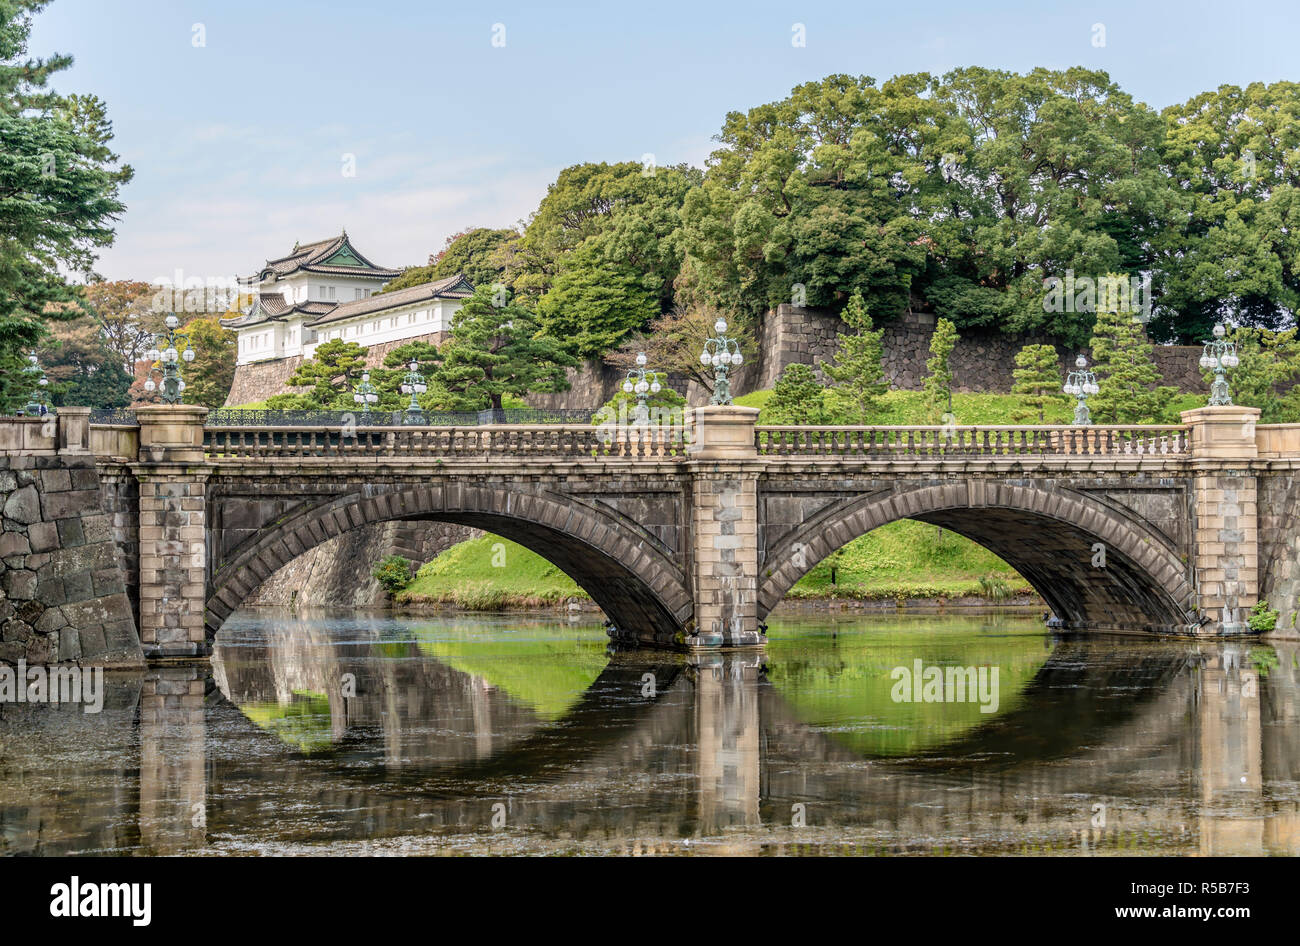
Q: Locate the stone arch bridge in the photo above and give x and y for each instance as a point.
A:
(689, 537)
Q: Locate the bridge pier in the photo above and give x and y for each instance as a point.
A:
(724, 467)
(172, 477)
(1225, 490)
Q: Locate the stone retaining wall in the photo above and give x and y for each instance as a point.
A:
(337, 573)
(63, 594)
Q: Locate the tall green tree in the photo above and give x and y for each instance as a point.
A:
(803, 198)
(858, 369)
(938, 378)
(797, 397)
(482, 255)
(495, 352)
(1038, 381)
(209, 376)
(59, 187)
(1233, 251)
(1126, 372)
(594, 305)
(1057, 171)
(81, 369)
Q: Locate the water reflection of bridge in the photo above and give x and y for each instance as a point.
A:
(1180, 747)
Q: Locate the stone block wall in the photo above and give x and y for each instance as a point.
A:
(1279, 548)
(982, 360)
(337, 573)
(63, 595)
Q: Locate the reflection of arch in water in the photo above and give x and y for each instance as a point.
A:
(399, 684)
(1075, 696)
(847, 682)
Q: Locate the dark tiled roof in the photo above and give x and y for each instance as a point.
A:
(311, 257)
(453, 287)
(271, 307)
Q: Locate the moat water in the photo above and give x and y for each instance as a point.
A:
(373, 734)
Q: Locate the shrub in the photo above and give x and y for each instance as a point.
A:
(1261, 618)
(393, 572)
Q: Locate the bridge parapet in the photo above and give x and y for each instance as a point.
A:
(931, 441)
(502, 441)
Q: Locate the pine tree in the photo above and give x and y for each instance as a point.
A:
(495, 351)
(858, 370)
(796, 398)
(1126, 372)
(1038, 381)
(938, 381)
(331, 373)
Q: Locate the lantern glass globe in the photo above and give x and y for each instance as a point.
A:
(188, 354)
(726, 357)
(655, 388)
(43, 382)
(717, 360)
(170, 354)
(736, 359)
(640, 358)
(704, 357)
(1081, 362)
(356, 398)
(720, 326)
(1093, 388)
(149, 385)
(172, 321)
(180, 385)
(627, 387)
(372, 398)
(1219, 330)
(32, 359)
(642, 387)
(1231, 361)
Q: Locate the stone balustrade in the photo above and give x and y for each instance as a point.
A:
(933, 441)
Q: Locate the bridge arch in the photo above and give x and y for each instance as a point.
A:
(1048, 537)
(624, 568)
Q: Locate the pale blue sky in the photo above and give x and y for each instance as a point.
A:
(238, 145)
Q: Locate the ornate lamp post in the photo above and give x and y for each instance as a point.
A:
(1080, 383)
(172, 385)
(642, 383)
(1219, 356)
(366, 393)
(36, 405)
(722, 353)
(413, 384)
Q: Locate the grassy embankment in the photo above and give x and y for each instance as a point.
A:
(900, 560)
